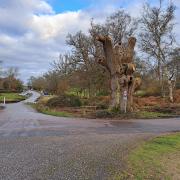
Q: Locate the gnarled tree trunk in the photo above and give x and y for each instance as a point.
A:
(108, 62)
(118, 61)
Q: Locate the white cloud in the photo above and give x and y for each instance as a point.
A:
(32, 34)
(51, 26)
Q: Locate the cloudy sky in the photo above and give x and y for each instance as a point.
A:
(33, 32)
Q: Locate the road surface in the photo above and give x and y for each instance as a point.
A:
(37, 146)
(34, 96)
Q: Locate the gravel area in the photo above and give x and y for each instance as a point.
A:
(71, 157)
(35, 146)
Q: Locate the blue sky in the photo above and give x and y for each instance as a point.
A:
(74, 5)
(33, 32)
(65, 5)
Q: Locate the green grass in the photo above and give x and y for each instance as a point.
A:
(78, 92)
(45, 110)
(149, 160)
(11, 97)
(114, 113)
(56, 113)
(151, 115)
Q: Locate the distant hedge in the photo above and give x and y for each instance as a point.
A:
(64, 101)
(9, 91)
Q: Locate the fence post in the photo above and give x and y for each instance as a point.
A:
(125, 100)
(4, 101)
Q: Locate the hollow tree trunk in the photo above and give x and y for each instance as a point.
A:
(108, 62)
(130, 96)
(133, 84)
(118, 61)
(126, 96)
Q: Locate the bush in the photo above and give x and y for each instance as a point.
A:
(149, 91)
(40, 107)
(102, 105)
(64, 101)
(101, 102)
(153, 91)
(84, 101)
(102, 93)
(104, 114)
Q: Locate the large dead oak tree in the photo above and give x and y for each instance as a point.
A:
(118, 60)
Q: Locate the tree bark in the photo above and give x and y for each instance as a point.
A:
(114, 92)
(171, 85)
(123, 93)
(119, 62)
(108, 62)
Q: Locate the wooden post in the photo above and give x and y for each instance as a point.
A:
(4, 101)
(125, 101)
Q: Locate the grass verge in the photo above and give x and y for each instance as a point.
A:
(45, 110)
(151, 115)
(155, 159)
(133, 115)
(11, 97)
(99, 112)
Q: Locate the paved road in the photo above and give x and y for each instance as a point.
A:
(34, 96)
(36, 146)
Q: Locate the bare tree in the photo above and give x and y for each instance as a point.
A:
(83, 58)
(121, 26)
(11, 75)
(81, 44)
(62, 65)
(156, 37)
(172, 71)
(119, 61)
(112, 35)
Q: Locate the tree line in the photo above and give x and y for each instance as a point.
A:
(9, 80)
(157, 56)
